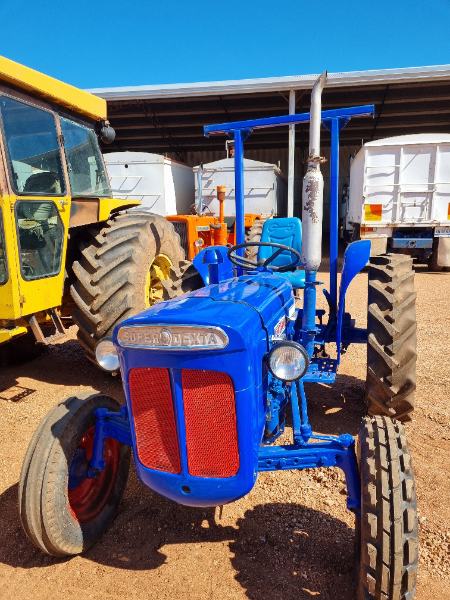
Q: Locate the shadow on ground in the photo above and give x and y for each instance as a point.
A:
(279, 550)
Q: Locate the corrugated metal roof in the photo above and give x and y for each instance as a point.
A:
(297, 82)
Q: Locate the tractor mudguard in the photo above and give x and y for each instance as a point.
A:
(356, 257)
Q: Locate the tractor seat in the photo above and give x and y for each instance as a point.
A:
(286, 231)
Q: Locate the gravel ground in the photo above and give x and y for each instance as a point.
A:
(290, 538)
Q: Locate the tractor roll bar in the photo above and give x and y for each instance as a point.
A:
(334, 120)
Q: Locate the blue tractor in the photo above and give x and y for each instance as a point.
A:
(209, 377)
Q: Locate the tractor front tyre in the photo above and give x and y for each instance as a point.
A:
(63, 512)
(391, 344)
(121, 272)
(386, 552)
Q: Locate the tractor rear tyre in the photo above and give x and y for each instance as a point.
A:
(62, 511)
(254, 235)
(121, 273)
(391, 347)
(387, 536)
(183, 279)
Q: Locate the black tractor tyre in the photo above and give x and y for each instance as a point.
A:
(386, 548)
(392, 339)
(113, 273)
(50, 517)
(183, 279)
(254, 235)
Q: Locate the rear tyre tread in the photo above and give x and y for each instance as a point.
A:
(392, 337)
(112, 272)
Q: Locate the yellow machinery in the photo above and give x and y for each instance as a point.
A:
(67, 253)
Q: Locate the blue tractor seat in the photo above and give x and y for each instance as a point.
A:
(287, 231)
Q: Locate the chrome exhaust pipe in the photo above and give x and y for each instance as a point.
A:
(312, 191)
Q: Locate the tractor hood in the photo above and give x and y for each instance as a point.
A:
(230, 305)
(195, 382)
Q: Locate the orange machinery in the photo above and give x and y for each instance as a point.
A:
(197, 232)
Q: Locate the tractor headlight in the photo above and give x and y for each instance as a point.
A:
(288, 361)
(106, 355)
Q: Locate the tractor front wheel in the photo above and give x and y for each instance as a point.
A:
(391, 344)
(387, 536)
(62, 510)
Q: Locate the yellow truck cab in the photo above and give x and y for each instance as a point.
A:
(55, 201)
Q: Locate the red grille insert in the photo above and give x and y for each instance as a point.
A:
(154, 419)
(210, 415)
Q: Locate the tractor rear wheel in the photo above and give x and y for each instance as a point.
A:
(63, 512)
(391, 347)
(386, 549)
(254, 235)
(122, 271)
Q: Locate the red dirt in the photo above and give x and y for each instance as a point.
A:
(290, 538)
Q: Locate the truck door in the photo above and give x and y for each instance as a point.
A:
(39, 205)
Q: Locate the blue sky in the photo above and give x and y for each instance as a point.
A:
(100, 43)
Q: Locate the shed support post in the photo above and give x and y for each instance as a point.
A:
(290, 206)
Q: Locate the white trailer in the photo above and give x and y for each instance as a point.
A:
(400, 197)
(265, 188)
(164, 186)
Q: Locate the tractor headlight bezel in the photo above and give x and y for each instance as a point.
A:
(288, 361)
(106, 355)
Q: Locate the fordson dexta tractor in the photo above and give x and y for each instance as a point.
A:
(209, 377)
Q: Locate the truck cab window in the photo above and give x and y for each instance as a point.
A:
(84, 160)
(3, 268)
(41, 236)
(33, 151)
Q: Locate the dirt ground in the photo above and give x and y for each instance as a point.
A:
(290, 538)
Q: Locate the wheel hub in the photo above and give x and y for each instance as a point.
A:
(158, 272)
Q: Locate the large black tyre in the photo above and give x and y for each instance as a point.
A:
(183, 279)
(432, 261)
(387, 536)
(57, 520)
(392, 343)
(121, 273)
(254, 235)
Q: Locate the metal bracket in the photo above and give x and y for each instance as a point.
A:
(340, 452)
(39, 334)
(108, 425)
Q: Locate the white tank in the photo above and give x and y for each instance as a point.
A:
(164, 186)
(265, 187)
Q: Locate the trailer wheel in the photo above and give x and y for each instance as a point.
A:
(62, 511)
(121, 272)
(387, 544)
(391, 347)
(432, 261)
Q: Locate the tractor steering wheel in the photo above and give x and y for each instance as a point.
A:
(246, 263)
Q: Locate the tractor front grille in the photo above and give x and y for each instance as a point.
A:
(181, 228)
(210, 417)
(154, 419)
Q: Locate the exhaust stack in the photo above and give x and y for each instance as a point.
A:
(312, 192)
